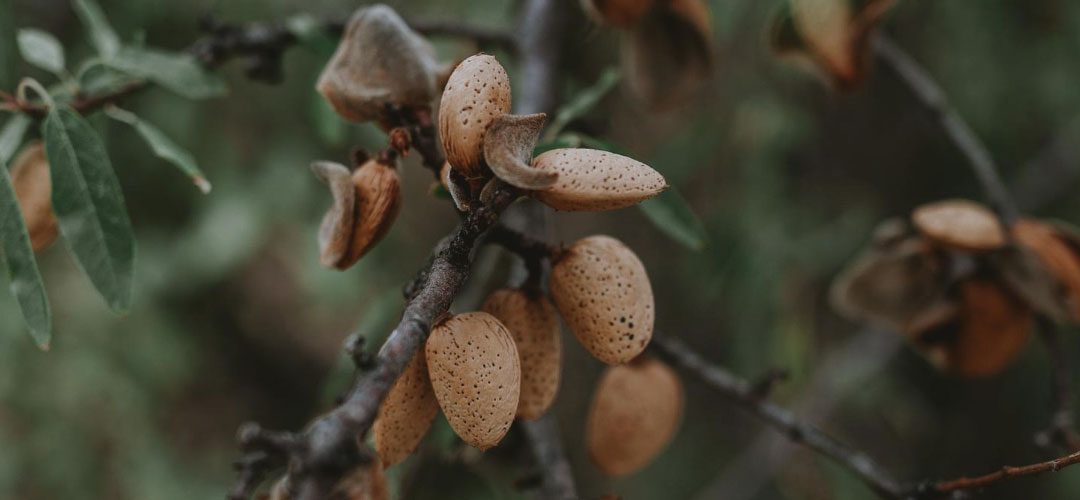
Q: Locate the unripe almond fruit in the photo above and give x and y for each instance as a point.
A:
(635, 412)
(602, 291)
(1056, 255)
(378, 201)
(379, 62)
(476, 375)
(33, 189)
(477, 93)
(960, 224)
(534, 324)
(406, 414)
(593, 180)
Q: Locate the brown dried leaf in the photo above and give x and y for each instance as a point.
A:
(379, 62)
(508, 147)
(338, 224)
(1025, 268)
(668, 54)
(994, 329)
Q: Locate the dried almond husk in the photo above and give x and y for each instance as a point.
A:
(336, 229)
(592, 180)
(33, 188)
(476, 375)
(534, 323)
(477, 93)
(380, 62)
(508, 148)
(1057, 256)
(602, 291)
(378, 201)
(960, 224)
(406, 414)
(635, 413)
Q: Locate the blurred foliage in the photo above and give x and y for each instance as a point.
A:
(233, 319)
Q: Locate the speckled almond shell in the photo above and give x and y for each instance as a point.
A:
(406, 414)
(477, 93)
(592, 180)
(476, 375)
(534, 324)
(959, 224)
(602, 291)
(33, 189)
(378, 201)
(1056, 255)
(635, 413)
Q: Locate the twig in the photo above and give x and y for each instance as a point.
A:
(1061, 430)
(327, 449)
(933, 99)
(742, 393)
(1007, 472)
(557, 480)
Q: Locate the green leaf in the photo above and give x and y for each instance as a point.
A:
(179, 73)
(163, 147)
(11, 136)
(41, 49)
(18, 257)
(102, 35)
(89, 205)
(670, 213)
(583, 101)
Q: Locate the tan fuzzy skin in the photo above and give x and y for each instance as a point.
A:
(591, 180)
(33, 188)
(476, 375)
(406, 414)
(635, 413)
(1054, 253)
(378, 201)
(380, 61)
(477, 93)
(534, 324)
(960, 224)
(603, 292)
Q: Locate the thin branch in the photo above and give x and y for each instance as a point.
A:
(931, 96)
(742, 392)
(1007, 472)
(557, 480)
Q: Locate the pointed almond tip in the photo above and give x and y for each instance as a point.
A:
(203, 185)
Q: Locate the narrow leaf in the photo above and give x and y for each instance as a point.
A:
(89, 205)
(179, 73)
(11, 136)
(41, 49)
(102, 35)
(164, 147)
(584, 101)
(670, 213)
(18, 257)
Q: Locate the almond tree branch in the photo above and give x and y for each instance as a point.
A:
(741, 392)
(930, 95)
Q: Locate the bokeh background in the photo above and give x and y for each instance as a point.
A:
(234, 319)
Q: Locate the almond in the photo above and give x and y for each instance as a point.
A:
(380, 62)
(1056, 255)
(477, 93)
(602, 291)
(593, 180)
(476, 375)
(406, 414)
(33, 189)
(960, 224)
(378, 201)
(534, 324)
(635, 413)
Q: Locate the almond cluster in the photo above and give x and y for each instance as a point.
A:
(960, 286)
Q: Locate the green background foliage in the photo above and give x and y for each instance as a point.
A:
(233, 319)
